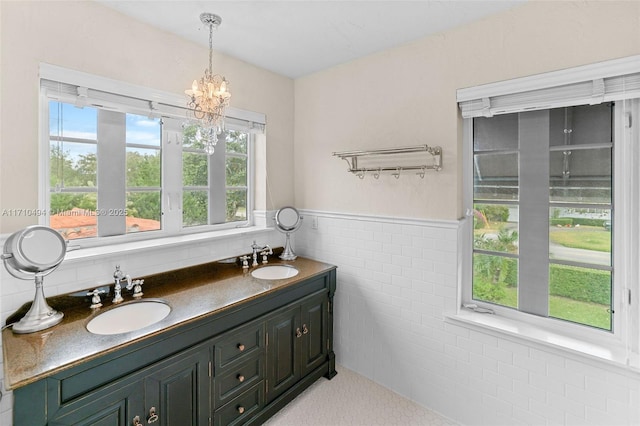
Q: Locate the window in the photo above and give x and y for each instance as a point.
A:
(93, 145)
(207, 179)
(119, 165)
(542, 203)
(551, 195)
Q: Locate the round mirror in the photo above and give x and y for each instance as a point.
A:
(34, 249)
(288, 219)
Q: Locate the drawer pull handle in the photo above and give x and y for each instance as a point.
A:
(305, 330)
(298, 332)
(153, 417)
(240, 378)
(136, 421)
(240, 347)
(241, 409)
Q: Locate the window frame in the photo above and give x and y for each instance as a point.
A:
(626, 189)
(171, 109)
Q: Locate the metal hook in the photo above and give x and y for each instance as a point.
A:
(376, 174)
(396, 174)
(360, 174)
(421, 173)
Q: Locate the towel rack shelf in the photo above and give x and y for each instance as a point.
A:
(351, 157)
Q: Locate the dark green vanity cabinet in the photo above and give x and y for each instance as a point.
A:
(239, 365)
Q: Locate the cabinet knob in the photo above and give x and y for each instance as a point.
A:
(241, 409)
(153, 417)
(298, 332)
(240, 378)
(240, 347)
(305, 330)
(136, 421)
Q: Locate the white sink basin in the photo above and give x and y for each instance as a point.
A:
(129, 317)
(275, 272)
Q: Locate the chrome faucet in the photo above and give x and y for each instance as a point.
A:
(264, 251)
(118, 276)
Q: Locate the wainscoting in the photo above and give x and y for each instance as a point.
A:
(397, 280)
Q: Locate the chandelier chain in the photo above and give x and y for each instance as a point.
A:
(210, 48)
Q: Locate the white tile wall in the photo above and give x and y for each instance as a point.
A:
(396, 282)
(77, 275)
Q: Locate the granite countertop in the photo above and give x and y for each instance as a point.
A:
(193, 293)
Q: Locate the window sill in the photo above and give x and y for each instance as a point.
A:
(602, 354)
(82, 254)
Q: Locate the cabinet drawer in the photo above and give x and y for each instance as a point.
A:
(245, 341)
(237, 379)
(242, 408)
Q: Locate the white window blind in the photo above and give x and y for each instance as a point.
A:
(588, 85)
(84, 89)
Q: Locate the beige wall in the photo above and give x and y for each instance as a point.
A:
(399, 97)
(407, 96)
(88, 37)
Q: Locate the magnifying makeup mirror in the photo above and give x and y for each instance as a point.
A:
(288, 220)
(32, 253)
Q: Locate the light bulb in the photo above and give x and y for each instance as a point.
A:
(194, 90)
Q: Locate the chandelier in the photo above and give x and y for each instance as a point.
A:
(209, 96)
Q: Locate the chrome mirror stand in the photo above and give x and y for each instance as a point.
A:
(287, 253)
(40, 316)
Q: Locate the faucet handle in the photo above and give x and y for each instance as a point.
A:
(137, 288)
(96, 302)
(245, 262)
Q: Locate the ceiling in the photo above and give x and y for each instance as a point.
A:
(299, 37)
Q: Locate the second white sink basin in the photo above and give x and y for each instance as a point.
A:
(129, 317)
(274, 272)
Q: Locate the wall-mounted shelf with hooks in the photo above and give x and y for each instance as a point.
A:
(374, 157)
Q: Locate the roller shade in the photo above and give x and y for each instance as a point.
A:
(587, 85)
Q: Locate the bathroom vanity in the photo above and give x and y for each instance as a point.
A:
(233, 350)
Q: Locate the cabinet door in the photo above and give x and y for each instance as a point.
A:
(114, 405)
(283, 366)
(313, 351)
(177, 391)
